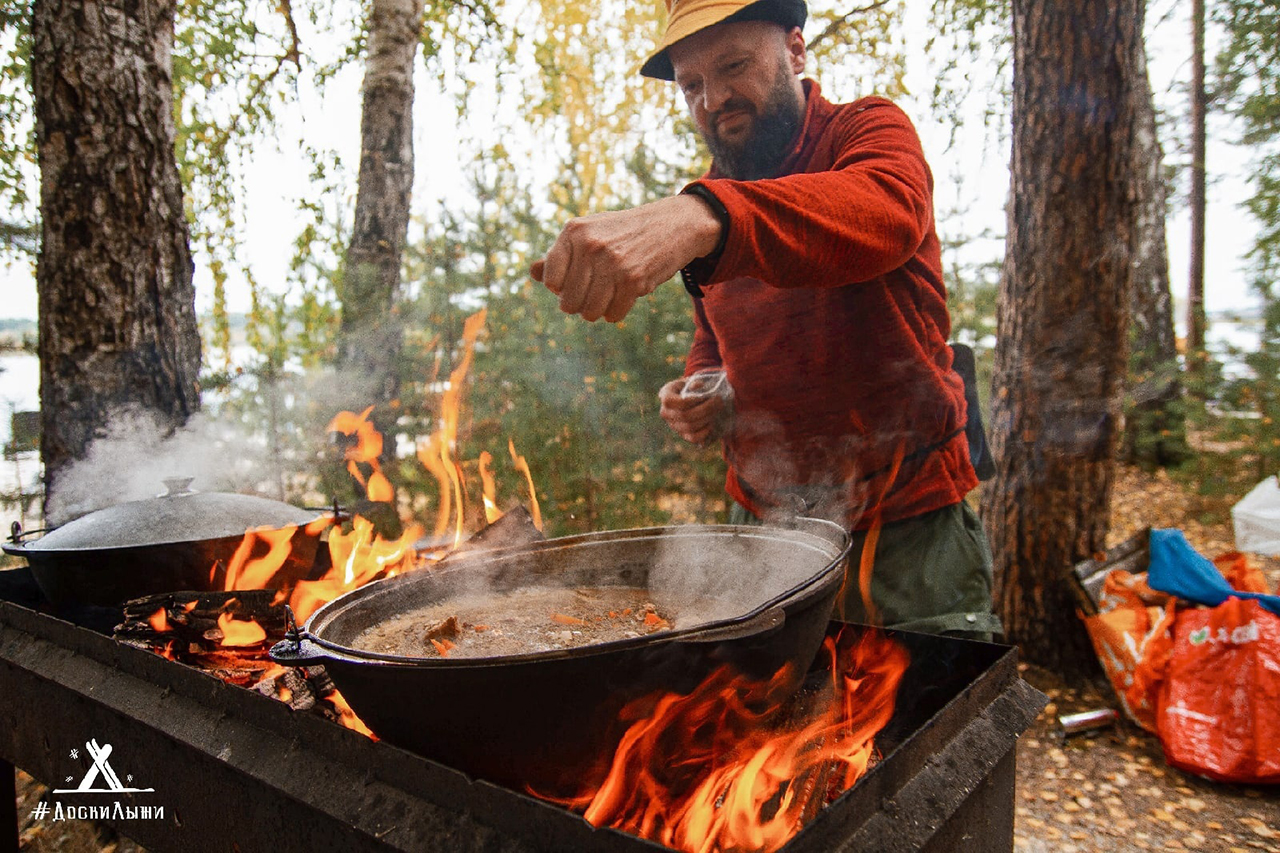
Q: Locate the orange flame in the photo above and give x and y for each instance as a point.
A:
(358, 556)
(437, 455)
(724, 769)
(522, 465)
(357, 553)
(159, 621)
(379, 488)
(348, 717)
(489, 488)
(238, 632)
(246, 573)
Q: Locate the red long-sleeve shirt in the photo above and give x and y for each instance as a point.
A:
(828, 313)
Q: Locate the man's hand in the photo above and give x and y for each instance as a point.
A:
(696, 419)
(601, 264)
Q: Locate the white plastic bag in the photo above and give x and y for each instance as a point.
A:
(1257, 519)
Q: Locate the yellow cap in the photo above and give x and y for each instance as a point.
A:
(686, 17)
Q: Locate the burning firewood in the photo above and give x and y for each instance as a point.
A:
(224, 633)
(516, 527)
(198, 620)
(227, 634)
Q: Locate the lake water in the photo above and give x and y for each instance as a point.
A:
(19, 387)
(19, 392)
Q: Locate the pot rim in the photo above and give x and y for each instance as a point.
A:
(766, 616)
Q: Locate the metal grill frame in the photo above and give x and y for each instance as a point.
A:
(237, 770)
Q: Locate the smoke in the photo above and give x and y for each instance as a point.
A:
(137, 453)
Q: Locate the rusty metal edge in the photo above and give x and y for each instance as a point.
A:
(929, 811)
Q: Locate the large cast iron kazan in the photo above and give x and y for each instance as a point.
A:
(181, 540)
(755, 598)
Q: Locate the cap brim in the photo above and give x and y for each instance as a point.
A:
(788, 13)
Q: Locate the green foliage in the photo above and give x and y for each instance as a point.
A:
(578, 400)
(860, 50)
(18, 234)
(1255, 397)
(1245, 416)
(965, 34)
(1248, 74)
(973, 287)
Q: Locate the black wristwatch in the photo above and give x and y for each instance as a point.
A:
(697, 271)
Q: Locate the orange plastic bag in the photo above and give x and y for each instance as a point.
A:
(1240, 573)
(1219, 704)
(1132, 635)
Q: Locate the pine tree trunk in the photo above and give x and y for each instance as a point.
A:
(1155, 418)
(114, 273)
(1063, 316)
(370, 335)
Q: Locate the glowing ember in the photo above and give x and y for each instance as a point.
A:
(159, 621)
(237, 632)
(729, 767)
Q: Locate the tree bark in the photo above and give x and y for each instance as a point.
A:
(1155, 418)
(371, 334)
(114, 272)
(1196, 321)
(1063, 315)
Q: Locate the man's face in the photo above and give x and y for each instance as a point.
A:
(740, 83)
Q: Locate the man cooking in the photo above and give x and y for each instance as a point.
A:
(810, 251)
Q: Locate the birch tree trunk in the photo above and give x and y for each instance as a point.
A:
(1155, 418)
(1063, 316)
(370, 335)
(1197, 322)
(114, 272)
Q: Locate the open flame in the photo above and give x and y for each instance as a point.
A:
(489, 488)
(733, 766)
(240, 632)
(358, 554)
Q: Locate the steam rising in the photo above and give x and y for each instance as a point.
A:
(138, 452)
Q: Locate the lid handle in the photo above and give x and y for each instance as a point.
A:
(177, 486)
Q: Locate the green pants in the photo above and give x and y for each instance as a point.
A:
(930, 573)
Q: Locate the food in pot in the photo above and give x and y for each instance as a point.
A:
(523, 621)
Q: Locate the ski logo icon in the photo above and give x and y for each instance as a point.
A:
(101, 767)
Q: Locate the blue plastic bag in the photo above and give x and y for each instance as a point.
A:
(1178, 569)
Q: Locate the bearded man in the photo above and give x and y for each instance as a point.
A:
(812, 257)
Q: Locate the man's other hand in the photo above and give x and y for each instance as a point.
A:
(696, 419)
(601, 264)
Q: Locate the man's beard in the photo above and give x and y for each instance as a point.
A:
(773, 130)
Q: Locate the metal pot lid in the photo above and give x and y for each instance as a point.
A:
(179, 516)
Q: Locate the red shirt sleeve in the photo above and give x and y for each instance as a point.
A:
(863, 217)
(704, 353)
